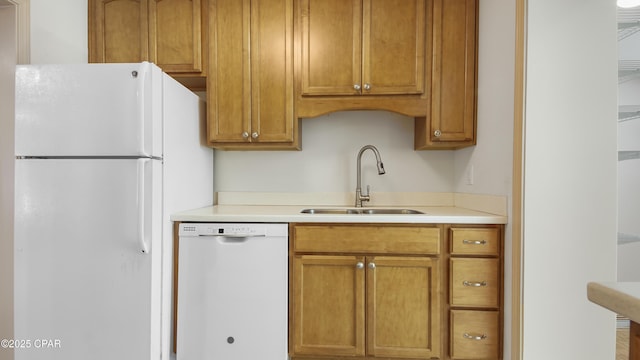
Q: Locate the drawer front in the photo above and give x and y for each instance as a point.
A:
(475, 241)
(373, 239)
(475, 282)
(475, 334)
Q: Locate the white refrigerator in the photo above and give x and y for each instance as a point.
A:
(104, 154)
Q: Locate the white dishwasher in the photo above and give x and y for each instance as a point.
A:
(232, 291)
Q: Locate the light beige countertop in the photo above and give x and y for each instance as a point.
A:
(620, 297)
(442, 208)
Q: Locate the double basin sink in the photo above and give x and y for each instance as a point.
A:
(361, 211)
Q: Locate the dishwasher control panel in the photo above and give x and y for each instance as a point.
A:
(231, 229)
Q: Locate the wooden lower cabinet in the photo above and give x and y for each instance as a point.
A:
(396, 297)
(355, 293)
(475, 292)
(403, 304)
(395, 291)
(328, 305)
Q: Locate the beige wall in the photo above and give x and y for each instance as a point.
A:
(7, 65)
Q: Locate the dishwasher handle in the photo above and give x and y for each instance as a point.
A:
(236, 238)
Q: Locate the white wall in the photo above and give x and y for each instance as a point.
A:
(59, 31)
(327, 162)
(569, 178)
(7, 80)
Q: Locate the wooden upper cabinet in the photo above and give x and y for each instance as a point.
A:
(175, 35)
(331, 33)
(368, 47)
(169, 33)
(452, 120)
(393, 47)
(118, 31)
(250, 83)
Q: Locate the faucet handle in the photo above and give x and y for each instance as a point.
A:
(368, 190)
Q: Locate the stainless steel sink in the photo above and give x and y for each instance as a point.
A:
(361, 211)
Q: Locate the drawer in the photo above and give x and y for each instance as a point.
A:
(475, 334)
(475, 241)
(370, 239)
(475, 282)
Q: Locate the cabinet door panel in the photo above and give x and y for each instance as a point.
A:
(175, 28)
(331, 36)
(403, 307)
(229, 81)
(328, 306)
(272, 114)
(118, 31)
(454, 71)
(393, 58)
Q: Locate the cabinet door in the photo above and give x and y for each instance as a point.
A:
(328, 306)
(229, 82)
(272, 114)
(118, 31)
(453, 106)
(331, 36)
(394, 33)
(403, 307)
(175, 29)
(250, 82)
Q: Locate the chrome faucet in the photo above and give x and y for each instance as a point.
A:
(360, 197)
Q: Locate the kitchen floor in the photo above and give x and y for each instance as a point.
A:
(622, 344)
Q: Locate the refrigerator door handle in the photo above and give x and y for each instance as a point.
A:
(142, 236)
(142, 104)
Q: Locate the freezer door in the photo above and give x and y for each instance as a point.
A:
(82, 280)
(89, 110)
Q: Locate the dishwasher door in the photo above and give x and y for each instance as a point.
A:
(232, 291)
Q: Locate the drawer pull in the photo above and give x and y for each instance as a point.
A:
(474, 283)
(474, 242)
(474, 337)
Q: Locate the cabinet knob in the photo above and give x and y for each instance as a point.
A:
(474, 283)
(356, 87)
(360, 265)
(367, 87)
(372, 265)
(245, 135)
(254, 135)
(437, 133)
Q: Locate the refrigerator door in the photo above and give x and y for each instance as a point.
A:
(89, 110)
(87, 254)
